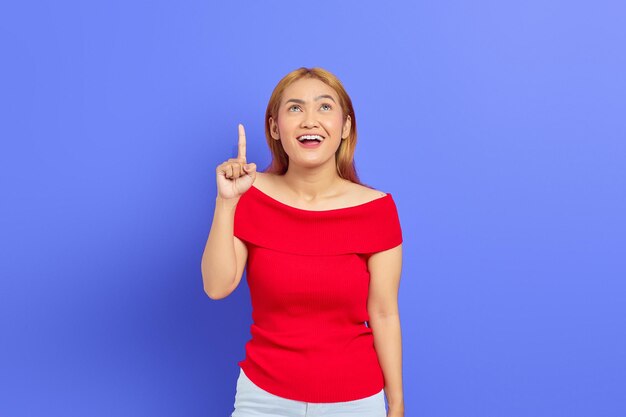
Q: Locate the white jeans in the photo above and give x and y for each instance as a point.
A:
(253, 401)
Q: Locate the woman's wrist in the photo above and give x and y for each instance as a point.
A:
(396, 410)
(226, 203)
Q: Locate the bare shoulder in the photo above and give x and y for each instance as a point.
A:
(267, 183)
(366, 191)
(261, 180)
(362, 194)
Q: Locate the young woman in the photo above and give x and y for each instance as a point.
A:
(323, 259)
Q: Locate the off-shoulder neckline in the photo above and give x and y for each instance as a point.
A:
(274, 201)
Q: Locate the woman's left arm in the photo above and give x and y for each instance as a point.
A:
(382, 305)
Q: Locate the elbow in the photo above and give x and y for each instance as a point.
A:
(215, 294)
(214, 285)
(208, 290)
(211, 291)
(212, 295)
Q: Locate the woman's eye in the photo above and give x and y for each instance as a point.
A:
(293, 107)
(326, 106)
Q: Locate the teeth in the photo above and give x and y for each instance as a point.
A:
(314, 137)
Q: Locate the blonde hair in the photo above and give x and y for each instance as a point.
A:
(344, 156)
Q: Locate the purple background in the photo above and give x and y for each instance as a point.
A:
(499, 127)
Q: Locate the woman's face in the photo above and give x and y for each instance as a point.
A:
(310, 107)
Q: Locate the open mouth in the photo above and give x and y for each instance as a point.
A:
(310, 138)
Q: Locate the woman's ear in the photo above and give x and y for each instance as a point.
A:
(347, 126)
(274, 129)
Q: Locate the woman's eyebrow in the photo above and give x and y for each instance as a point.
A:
(297, 100)
(325, 96)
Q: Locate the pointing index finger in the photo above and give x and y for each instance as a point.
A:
(242, 143)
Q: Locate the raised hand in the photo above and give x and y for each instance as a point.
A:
(235, 176)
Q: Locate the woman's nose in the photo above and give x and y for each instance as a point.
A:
(309, 122)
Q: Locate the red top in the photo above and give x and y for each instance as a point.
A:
(308, 279)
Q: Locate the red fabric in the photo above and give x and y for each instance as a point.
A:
(308, 279)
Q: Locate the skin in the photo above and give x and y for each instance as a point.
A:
(312, 183)
(311, 175)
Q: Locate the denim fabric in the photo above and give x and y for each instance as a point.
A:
(253, 401)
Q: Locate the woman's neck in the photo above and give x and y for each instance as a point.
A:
(310, 184)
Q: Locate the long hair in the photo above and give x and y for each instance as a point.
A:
(344, 157)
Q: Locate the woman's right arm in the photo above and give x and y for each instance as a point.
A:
(225, 255)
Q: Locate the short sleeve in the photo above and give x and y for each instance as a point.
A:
(383, 228)
(244, 224)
